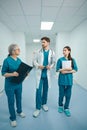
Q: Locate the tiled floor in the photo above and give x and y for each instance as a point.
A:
(51, 120)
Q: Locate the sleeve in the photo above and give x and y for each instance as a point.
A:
(75, 65)
(58, 65)
(5, 67)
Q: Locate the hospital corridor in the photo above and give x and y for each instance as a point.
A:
(50, 38)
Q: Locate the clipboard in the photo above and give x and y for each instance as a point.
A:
(23, 70)
(66, 64)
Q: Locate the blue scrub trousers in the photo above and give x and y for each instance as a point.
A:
(64, 91)
(42, 93)
(14, 93)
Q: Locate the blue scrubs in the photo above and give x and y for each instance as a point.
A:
(65, 82)
(13, 90)
(42, 91)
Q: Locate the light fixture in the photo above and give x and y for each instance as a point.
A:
(36, 40)
(46, 25)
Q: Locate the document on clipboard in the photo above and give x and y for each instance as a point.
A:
(66, 64)
(23, 71)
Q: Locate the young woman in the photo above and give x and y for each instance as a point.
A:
(13, 90)
(65, 79)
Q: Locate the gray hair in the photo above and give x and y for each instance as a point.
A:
(11, 48)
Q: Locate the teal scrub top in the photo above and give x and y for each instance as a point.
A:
(45, 63)
(65, 79)
(9, 66)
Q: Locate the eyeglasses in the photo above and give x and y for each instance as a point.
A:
(17, 49)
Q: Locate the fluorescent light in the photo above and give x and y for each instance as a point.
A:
(36, 40)
(46, 25)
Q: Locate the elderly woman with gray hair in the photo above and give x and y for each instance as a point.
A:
(13, 90)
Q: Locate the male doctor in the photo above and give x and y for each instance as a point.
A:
(44, 60)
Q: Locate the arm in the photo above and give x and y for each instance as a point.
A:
(11, 74)
(70, 70)
(59, 66)
(5, 70)
(65, 69)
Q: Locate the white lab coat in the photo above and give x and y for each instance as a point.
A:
(38, 60)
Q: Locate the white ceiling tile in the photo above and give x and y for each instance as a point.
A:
(34, 24)
(31, 7)
(58, 26)
(2, 13)
(52, 2)
(83, 10)
(76, 20)
(18, 20)
(49, 13)
(67, 12)
(20, 23)
(5, 19)
(72, 23)
(69, 25)
(11, 7)
(73, 3)
(33, 20)
(34, 31)
(20, 28)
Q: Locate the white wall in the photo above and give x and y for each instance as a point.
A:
(77, 40)
(19, 38)
(79, 44)
(62, 39)
(30, 50)
(6, 38)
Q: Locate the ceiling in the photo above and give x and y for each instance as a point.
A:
(26, 16)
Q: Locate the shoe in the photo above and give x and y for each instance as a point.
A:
(13, 123)
(45, 108)
(22, 115)
(60, 109)
(67, 112)
(36, 113)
